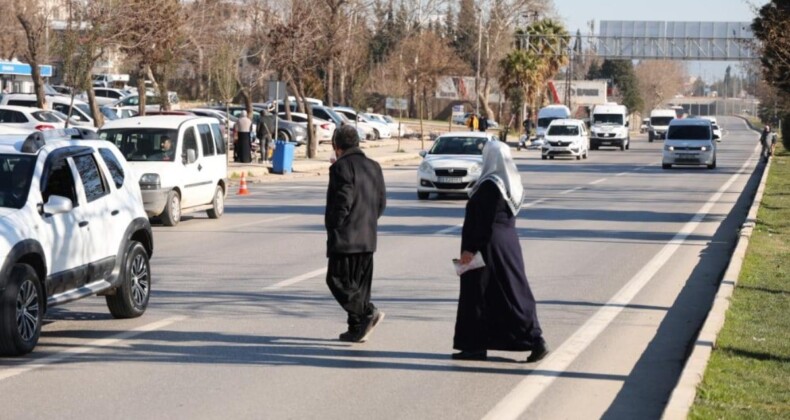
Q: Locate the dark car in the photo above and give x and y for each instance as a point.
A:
(286, 130)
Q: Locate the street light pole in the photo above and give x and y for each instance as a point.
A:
(479, 47)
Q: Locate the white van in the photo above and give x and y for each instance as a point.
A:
(659, 122)
(610, 127)
(690, 141)
(548, 114)
(187, 176)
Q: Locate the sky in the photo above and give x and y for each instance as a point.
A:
(576, 14)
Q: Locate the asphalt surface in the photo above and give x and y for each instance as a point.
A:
(622, 256)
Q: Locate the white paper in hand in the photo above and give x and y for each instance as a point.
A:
(477, 262)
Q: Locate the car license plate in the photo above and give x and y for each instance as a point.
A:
(449, 179)
(606, 143)
(687, 156)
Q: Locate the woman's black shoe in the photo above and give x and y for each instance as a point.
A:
(470, 355)
(538, 353)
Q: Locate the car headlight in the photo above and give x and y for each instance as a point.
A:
(475, 169)
(704, 148)
(670, 148)
(300, 129)
(150, 180)
(425, 167)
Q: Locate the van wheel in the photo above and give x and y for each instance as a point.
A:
(21, 311)
(586, 154)
(551, 157)
(172, 214)
(131, 297)
(628, 145)
(712, 165)
(650, 137)
(218, 204)
(666, 166)
(622, 147)
(422, 195)
(579, 157)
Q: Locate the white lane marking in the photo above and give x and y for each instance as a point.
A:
(94, 345)
(297, 279)
(534, 203)
(530, 388)
(259, 222)
(598, 181)
(622, 173)
(570, 190)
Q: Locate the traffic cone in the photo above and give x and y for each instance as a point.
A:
(243, 186)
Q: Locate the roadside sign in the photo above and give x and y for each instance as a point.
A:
(277, 90)
(397, 103)
(458, 109)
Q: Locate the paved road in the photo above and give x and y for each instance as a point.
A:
(622, 256)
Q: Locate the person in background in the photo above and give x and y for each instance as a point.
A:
(496, 308)
(472, 122)
(242, 150)
(264, 132)
(482, 124)
(765, 142)
(355, 199)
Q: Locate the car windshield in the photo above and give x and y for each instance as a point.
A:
(108, 113)
(16, 171)
(46, 116)
(84, 108)
(661, 120)
(388, 119)
(688, 132)
(563, 130)
(608, 119)
(143, 144)
(458, 146)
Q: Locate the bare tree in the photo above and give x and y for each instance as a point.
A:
(34, 17)
(659, 80)
(297, 35)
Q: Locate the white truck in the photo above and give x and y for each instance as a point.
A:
(610, 127)
(110, 80)
(659, 123)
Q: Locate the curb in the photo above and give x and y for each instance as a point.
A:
(685, 391)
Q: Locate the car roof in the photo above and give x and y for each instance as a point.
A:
(156, 121)
(690, 121)
(50, 139)
(566, 121)
(20, 108)
(479, 134)
(53, 98)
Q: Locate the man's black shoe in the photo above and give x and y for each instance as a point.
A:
(351, 336)
(538, 353)
(470, 355)
(378, 316)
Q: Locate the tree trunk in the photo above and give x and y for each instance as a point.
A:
(312, 141)
(330, 82)
(98, 118)
(141, 90)
(164, 97)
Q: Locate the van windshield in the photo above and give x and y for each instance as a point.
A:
(545, 121)
(688, 132)
(143, 144)
(608, 119)
(661, 120)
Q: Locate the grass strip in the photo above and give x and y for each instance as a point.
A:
(748, 375)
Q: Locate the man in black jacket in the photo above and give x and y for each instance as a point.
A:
(355, 199)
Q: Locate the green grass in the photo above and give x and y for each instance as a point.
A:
(748, 376)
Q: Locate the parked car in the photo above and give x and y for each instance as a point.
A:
(73, 226)
(152, 102)
(376, 130)
(29, 118)
(394, 126)
(566, 138)
(323, 128)
(123, 112)
(105, 96)
(80, 111)
(453, 164)
(689, 141)
(226, 123)
(186, 176)
(645, 125)
(6, 129)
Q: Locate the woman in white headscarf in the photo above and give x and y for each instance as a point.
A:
(496, 308)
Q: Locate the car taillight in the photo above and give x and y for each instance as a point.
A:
(325, 126)
(42, 127)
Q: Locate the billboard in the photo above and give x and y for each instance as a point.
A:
(459, 88)
(584, 92)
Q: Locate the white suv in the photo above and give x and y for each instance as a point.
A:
(73, 226)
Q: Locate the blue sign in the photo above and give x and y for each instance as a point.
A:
(22, 69)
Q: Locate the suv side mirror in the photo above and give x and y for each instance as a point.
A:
(423, 153)
(716, 137)
(57, 204)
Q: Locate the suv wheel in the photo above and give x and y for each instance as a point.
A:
(172, 214)
(21, 309)
(218, 203)
(376, 135)
(712, 165)
(650, 136)
(131, 297)
(285, 136)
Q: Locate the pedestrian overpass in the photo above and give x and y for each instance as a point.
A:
(653, 40)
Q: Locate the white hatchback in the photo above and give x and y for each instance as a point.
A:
(453, 164)
(566, 138)
(73, 226)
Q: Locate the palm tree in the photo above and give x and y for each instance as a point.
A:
(548, 39)
(521, 71)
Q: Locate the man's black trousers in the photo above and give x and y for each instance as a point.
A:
(349, 277)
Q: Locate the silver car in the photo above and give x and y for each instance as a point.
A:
(453, 164)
